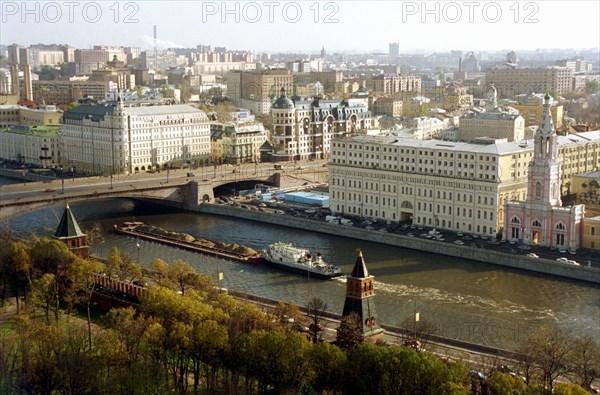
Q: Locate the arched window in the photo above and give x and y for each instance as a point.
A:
(515, 220)
(538, 190)
(406, 204)
(560, 226)
(536, 224)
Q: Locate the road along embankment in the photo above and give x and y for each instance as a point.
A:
(516, 261)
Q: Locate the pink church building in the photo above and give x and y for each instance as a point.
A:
(541, 219)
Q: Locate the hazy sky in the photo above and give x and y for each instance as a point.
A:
(306, 25)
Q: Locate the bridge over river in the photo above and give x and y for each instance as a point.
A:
(181, 188)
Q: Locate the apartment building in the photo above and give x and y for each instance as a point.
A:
(396, 83)
(304, 129)
(238, 143)
(496, 125)
(256, 90)
(531, 108)
(511, 81)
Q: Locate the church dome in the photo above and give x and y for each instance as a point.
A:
(283, 102)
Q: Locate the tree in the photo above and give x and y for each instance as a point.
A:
(592, 86)
(15, 265)
(569, 389)
(316, 308)
(584, 360)
(82, 286)
(349, 335)
(44, 292)
(181, 274)
(120, 264)
(167, 92)
(504, 384)
(550, 351)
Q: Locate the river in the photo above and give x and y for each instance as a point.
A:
(466, 300)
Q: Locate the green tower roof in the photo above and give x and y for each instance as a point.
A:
(68, 226)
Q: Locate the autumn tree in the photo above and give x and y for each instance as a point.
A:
(15, 267)
(316, 309)
(349, 334)
(122, 265)
(550, 349)
(82, 286)
(584, 360)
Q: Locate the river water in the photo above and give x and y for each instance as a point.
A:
(461, 299)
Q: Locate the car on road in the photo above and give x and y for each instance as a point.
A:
(532, 255)
(310, 211)
(562, 259)
(459, 242)
(280, 212)
(262, 205)
(570, 262)
(50, 190)
(562, 250)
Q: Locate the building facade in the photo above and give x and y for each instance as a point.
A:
(39, 145)
(513, 81)
(531, 108)
(496, 124)
(455, 186)
(65, 92)
(387, 106)
(256, 90)
(238, 143)
(113, 139)
(590, 237)
(540, 219)
(396, 83)
(304, 129)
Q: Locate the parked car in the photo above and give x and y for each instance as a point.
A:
(50, 190)
(191, 175)
(562, 259)
(532, 255)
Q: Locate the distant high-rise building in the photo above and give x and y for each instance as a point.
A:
(323, 53)
(394, 50)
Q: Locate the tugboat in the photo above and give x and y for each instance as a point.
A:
(299, 260)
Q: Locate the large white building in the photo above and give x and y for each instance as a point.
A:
(454, 185)
(116, 139)
(39, 145)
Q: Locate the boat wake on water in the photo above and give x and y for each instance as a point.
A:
(478, 302)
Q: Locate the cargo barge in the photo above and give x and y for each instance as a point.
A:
(233, 251)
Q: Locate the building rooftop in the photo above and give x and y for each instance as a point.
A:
(163, 110)
(39, 131)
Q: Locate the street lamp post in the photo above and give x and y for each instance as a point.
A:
(138, 252)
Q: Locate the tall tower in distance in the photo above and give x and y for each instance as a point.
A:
(360, 299)
(394, 50)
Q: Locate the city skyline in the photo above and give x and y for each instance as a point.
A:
(300, 26)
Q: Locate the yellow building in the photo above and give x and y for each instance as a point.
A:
(387, 106)
(590, 238)
(531, 107)
(585, 188)
(457, 98)
(45, 115)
